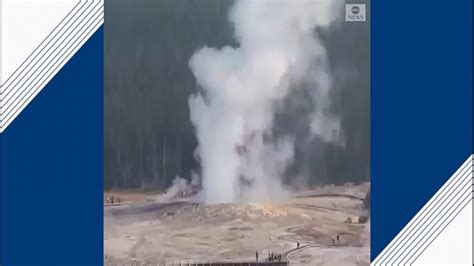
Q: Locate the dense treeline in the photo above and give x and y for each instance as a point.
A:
(148, 136)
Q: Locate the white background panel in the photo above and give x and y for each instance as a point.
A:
(25, 24)
(454, 245)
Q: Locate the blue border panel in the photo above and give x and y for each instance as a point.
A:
(52, 169)
(421, 98)
(2, 243)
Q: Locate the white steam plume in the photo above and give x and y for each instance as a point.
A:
(241, 88)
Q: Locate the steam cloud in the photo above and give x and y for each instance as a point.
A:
(242, 88)
(180, 185)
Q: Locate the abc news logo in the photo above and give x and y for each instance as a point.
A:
(355, 12)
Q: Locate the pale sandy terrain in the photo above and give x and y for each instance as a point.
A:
(147, 232)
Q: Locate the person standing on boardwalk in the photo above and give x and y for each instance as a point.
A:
(256, 255)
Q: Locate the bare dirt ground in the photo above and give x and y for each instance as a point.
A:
(185, 231)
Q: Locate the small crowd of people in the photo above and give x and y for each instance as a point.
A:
(274, 257)
(112, 200)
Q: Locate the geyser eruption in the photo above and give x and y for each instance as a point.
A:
(242, 87)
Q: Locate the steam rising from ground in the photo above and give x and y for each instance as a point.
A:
(242, 88)
(180, 185)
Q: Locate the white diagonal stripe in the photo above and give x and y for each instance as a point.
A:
(431, 220)
(48, 59)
